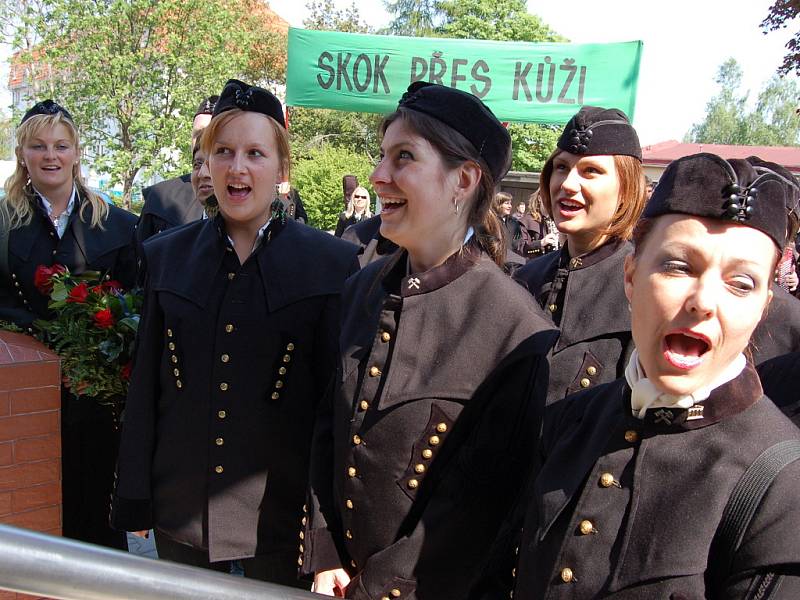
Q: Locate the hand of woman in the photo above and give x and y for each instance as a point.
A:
(551, 239)
(144, 533)
(331, 583)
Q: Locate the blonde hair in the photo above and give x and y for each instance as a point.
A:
(281, 137)
(351, 209)
(20, 198)
(630, 201)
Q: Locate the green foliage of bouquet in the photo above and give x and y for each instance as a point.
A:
(92, 329)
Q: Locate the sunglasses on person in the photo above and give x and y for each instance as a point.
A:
(360, 197)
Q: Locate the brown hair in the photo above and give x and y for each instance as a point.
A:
(535, 205)
(631, 200)
(20, 197)
(281, 137)
(455, 150)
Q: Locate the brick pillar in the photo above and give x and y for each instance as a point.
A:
(30, 437)
(30, 434)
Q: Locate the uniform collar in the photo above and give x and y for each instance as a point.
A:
(730, 398)
(590, 258)
(414, 284)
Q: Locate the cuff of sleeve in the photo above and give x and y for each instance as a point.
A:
(321, 553)
(131, 515)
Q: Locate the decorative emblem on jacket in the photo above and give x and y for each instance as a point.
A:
(663, 416)
(740, 203)
(413, 283)
(695, 412)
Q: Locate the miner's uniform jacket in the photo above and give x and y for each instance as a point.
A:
(367, 234)
(628, 508)
(231, 362)
(167, 204)
(780, 377)
(423, 450)
(779, 331)
(88, 437)
(585, 297)
(107, 250)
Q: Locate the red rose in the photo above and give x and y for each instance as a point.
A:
(98, 289)
(79, 293)
(112, 286)
(43, 277)
(103, 319)
(125, 372)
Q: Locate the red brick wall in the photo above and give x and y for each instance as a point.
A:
(30, 437)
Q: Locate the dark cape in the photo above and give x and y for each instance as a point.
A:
(367, 235)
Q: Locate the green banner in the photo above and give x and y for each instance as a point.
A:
(519, 81)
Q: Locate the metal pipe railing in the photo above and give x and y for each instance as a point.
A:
(44, 565)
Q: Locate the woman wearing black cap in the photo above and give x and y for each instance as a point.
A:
(646, 488)
(233, 355)
(421, 455)
(593, 187)
(51, 217)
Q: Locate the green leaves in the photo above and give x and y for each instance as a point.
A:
(132, 72)
(728, 120)
(319, 179)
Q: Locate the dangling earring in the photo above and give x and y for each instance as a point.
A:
(455, 204)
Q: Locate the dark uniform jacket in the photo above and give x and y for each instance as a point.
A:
(108, 250)
(166, 205)
(628, 508)
(231, 362)
(423, 452)
(780, 377)
(779, 331)
(367, 234)
(585, 297)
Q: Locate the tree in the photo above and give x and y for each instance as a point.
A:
(773, 121)
(507, 20)
(318, 178)
(323, 15)
(493, 20)
(6, 140)
(777, 18)
(131, 72)
(413, 17)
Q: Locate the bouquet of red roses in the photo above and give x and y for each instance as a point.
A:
(92, 329)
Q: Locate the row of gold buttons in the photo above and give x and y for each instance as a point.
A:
(174, 358)
(427, 454)
(283, 370)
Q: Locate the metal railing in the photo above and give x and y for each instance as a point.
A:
(43, 565)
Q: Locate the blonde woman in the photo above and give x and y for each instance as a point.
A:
(357, 210)
(54, 219)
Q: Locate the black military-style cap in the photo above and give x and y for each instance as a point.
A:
(206, 107)
(468, 116)
(793, 187)
(706, 185)
(597, 131)
(45, 107)
(237, 94)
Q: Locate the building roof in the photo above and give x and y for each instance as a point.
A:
(665, 152)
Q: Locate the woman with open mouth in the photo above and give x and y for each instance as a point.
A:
(593, 187)
(681, 479)
(52, 218)
(236, 346)
(443, 370)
